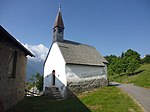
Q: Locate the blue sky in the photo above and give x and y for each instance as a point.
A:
(112, 26)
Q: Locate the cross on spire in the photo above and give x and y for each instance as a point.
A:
(59, 8)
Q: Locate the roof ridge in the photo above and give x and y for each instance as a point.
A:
(74, 42)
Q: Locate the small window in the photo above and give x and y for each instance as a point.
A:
(60, 31)
(54, 30)
(12, 64)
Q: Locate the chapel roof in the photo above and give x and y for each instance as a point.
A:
(59, 20)
(77, 53)
(4, 34)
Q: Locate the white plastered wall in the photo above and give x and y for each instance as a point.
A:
(55, 61)
(76, 73)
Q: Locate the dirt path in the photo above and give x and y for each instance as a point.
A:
(141, 95)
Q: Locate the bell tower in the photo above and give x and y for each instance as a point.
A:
(58, 30)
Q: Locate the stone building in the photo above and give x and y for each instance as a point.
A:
(76, 67)
(12, 70)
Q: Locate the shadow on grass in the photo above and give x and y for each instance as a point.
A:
(46, 104)
(136, 73)
(113, 84)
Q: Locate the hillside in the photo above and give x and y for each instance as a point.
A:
(140, 78)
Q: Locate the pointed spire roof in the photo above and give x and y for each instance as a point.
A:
(59, 20)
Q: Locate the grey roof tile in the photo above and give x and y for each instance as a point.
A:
(77, 53)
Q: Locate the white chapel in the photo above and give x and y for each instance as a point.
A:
(72, 67)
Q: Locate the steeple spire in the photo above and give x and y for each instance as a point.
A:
(59, 20)
(58, 30)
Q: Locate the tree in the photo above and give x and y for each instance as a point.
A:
(112, 67)
(146, 59)
(133, 65)
(131, 61)
(133, 54)
(39, 81)
(122, 55)
(110, 58)
(125, 64)
(119, 66)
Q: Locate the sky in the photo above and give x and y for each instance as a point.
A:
(111, 26)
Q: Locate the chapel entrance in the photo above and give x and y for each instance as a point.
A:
(53, 77)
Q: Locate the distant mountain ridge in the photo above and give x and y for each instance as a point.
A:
(33, 67)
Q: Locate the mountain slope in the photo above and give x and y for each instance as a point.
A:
(33, 67)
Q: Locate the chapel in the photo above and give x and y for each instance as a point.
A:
(72, 67)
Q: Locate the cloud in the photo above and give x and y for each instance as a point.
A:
(40, 51)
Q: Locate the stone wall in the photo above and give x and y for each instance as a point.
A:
(12, 90)
(86, 85)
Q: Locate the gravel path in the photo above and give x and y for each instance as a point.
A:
(141, 95)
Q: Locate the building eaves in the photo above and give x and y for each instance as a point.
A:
(10, 38)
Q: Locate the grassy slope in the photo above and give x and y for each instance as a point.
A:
(107, 99)
(141, 79)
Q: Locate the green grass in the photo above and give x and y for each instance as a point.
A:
(140, 79)
(107, 99)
